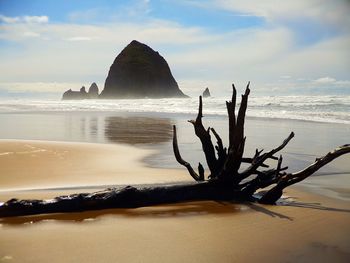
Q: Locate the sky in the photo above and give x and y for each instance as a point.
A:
(282, 47)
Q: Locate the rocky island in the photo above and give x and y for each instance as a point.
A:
(140, 72)
(206, 93)
(82, 94)
(137, 72)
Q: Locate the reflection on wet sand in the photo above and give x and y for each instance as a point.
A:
(161, 211)
(135, 130)
(95, 127)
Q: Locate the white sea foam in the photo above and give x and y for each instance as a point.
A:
(333, 109)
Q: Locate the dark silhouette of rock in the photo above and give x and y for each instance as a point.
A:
(83, 91)
(140, 72)
(75, 95)
(206, 93)
(69, 94)
(93, 91)
(81, 94)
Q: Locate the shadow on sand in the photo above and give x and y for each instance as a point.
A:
(317, 206)
(161, 211)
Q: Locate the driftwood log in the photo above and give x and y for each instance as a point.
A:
(226, 181)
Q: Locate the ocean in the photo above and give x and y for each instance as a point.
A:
(330, 109)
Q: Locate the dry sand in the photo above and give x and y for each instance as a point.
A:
(309, 228)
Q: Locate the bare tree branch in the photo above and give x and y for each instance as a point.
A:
(207, 145)
(222, 152)
(182, 161)
(231, 107)
(259, 160)
(289, 179)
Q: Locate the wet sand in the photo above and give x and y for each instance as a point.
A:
(153, 131)
(308, 227)
(39, 164)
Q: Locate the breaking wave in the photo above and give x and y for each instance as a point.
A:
(332, 109)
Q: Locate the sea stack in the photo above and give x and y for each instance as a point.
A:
(93, 91)
(140, 72)
(75, 95)
(81, 94)
(206, 93)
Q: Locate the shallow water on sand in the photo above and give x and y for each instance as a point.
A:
(154, 131)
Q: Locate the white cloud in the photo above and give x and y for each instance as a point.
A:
(9, 20)
(79, 39)
(328, 81)
(335, 12)
(31, 34)
(24, 19)
(35, 19)
(325, 80)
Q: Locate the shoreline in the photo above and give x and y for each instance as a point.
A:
(109, 160)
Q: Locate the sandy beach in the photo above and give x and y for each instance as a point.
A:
(308, 227)
(43, 165)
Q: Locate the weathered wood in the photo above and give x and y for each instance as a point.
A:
(236, 136)
(122, 197)
(258, 159)
(231, 108)
(205, 138)
(181, 161)
(221, 150)
(292, 178)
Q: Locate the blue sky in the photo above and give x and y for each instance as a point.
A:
(104, 11)
(283, 47)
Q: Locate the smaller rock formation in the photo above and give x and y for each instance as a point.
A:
(206, 93)
(75, 95)
(82, 94)
(93, 91)
(69, 95)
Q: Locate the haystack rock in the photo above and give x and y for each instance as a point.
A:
(140, 72)
(206, 93)
(93, 91)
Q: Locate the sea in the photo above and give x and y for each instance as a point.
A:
(329, 109)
